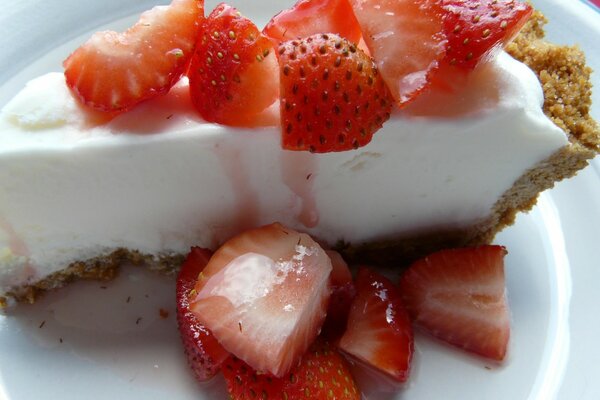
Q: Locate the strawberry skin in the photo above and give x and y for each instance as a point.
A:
(332, 96)
(476, 28)
(322, 374)
(203, 352)
(309, 17)
(264, 295)
(406, 39)
(233, 73)
(113, 72)
(243, 382)
(379, 332)
(459, 296)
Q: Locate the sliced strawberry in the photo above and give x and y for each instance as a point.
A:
(340, 273)
(264, 294)
(379, 332)
(113, 72)
(476, 28)
(332, 97)
(233, 73)
(459, 296)
(203, 352)
(308, 17)
(342, 294)
(405, 37)
(322, 374)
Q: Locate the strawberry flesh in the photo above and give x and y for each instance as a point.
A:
(308, 17)
(379, 332)
(459, 296)
(342, 294)
(112, 72)
(332, 96)
(405, 37)
(264, 295)
(203, 352)
(233, 73)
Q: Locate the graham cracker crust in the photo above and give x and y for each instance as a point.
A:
(565, 79)
(104, 268)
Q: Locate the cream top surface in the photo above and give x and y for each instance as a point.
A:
(159, 179)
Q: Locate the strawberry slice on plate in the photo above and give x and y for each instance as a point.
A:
(476, 28)
(332, 96)
(379, 332)
(234, 70)
(322, 374)
(342, 294)
(309, 17)
(113, 72)
(405, 37)
(264, 295)
(205, 355)
(459, 296)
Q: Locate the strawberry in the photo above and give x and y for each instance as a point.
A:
(233, 73)
(405, 37)
(244, 383)
(340, 273)
(379, 332)
(342, 294)
(458, 295)
(475, 28)
(309, 17)
(113, 72)
(264, 294)
(322, 374)
(332, 96)
(203, 352)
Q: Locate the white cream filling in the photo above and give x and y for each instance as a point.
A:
(158, 179)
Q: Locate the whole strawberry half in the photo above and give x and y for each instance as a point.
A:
(233, 73)
(475, 28)
(264, 294)
(322, 374)
(113, 72)
(459, 296)
(309, 17)
(203, 351)
(379, 332)
(332, 96)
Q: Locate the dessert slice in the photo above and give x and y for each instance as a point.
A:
(79, 196)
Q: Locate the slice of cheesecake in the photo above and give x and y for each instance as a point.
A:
(79, 196)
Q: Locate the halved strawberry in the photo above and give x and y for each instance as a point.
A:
(459, 296)
(234, 70)
(475, 28)
(405, 37)
(322, 374)
(203, 352)
(379, 333)
(332, 96)
(264, 294)
(342, 294)
(309, 17)
(113, 72)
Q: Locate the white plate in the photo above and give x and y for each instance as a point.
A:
(97, 341)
